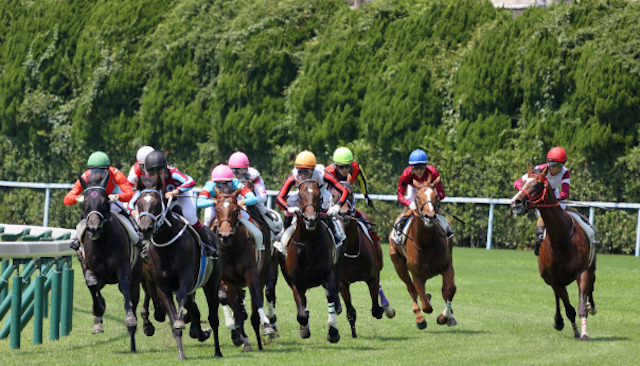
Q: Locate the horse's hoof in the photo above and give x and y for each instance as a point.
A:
(389, 312)
(584, 337)
(592, 309)
(305, 332)
(451, 322)
(268, 329)
(130, 320)
(333, 336)
(247, 348)
(204, 335)
(236, 338)
(442, 320)
(422, 325)
(149, 330)
(558, 325)
(178, 324)
(97, 328)
(159, 315)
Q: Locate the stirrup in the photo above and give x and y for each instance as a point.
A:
(75, 244)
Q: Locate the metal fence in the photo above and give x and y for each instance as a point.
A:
(380, 197)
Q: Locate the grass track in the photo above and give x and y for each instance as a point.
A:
(504, 311)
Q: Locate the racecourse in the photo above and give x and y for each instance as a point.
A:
(503, 308)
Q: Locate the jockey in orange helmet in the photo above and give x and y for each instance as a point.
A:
(559, 179)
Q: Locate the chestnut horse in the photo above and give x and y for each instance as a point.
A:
(362, 262)
(564, 253)
(106, 255)
(175, 264)
(427, 253)
(312, 259)
(240, 268)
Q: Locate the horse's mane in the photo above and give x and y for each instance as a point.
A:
(149, 182)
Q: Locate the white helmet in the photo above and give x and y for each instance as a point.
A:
(143, 152)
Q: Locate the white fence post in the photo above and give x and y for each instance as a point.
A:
(490, 226)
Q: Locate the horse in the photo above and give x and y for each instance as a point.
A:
(428, 253)
(240, 268)
(362, 262)
(107, 256)
(564, 253)
(175, 264)
(312, 260)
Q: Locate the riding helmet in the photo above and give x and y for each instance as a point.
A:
(305, 159)
(143, 152)
(155, 160)
(238, 160)
(418, 156)
(342, 156)
(98, 160)
(557, 154)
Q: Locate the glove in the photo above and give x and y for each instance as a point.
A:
(413, 206)
(113, 198)
(242, 204)
(368, 201)
(291, 209)
(80, 199)
(333, 210)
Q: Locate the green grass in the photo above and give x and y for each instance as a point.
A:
(503, 308)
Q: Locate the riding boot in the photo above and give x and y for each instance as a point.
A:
(208, 244)
(75, 244)
(449, 232)
(539, 239)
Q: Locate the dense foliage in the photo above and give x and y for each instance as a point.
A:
(484, 93)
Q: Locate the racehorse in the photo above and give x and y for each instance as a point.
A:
(427, 253)
(241, 268)
(175, 264)
(272, 278)
(565, 253)
(312, 259)
(106, 255)
(362, 261)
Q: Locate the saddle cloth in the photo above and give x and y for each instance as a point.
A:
(589, 230)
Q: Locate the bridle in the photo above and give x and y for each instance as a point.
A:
(539, 200)
(312, 204)
(220, 198)
(95, 212)
(160, 219)
(435, 205)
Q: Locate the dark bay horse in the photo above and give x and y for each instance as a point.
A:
(175, 265)
(106, 254)
(240, 268)
(564, 253)
(428, 253)
(312, 260)
(362, 261)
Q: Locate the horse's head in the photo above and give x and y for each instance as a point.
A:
(427, 201)
(309, 200)
(346, 208)
(150, 205)
(533, 193)
(228, 215)
(95, 205)
(250, 183)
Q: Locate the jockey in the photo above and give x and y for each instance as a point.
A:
(117, 189)
(345, 169)
(419, 171)
(307, 168)
(177, 185)
(559, 180)
(239, 164)
(137, 169)
(222, 179)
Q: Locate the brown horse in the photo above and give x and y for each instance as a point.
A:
(362, 261)
(240, 268)
(565, 251)
(175, 264)
(428, 253)
(310, 259)
(106, 255)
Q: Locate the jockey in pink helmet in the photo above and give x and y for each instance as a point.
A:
(239, 164)
(222, 178)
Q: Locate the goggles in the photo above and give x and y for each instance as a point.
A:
(305, 172)
(419, 167)
(239, 171)
(348, 166)
(555, 164)
(223, 184)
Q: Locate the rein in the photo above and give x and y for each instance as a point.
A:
(161, 219)
(539, 200)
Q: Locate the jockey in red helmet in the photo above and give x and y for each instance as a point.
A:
(559, 179)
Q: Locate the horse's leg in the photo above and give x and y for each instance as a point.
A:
(165, 297)
(99, 305)
(147, 326)
(255, 323)
(388, 310)
(229, 322)
(400, 265)
(257, 301)
(238, 335)
(374, 288)
(124, 285)
(270, 294)
(570, 311)
(303, 314)
(332, 293)
(591, 305)
(583, 289)
(211, 293)
(351, 311)
(195, 330)
(419, 283)
(134, 296)
(448, 291)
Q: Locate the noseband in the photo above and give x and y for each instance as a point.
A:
(422, 215)
(236, 212)
(312, 204)
(94, 212)
(161, 218)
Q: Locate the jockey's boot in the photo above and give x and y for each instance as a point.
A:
(539, 239)
(371, 230)
(75, 244)
(208, 244)
(449, 232)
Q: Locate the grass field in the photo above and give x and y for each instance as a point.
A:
(503, 308)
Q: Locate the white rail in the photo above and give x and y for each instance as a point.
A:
(380, 197)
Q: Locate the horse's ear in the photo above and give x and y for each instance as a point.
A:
(159, 182)
(83, 183)
(544, 171)
(105, 180)
(435, 181)
(215, 189)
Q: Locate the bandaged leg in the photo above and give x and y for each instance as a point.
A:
(253, 229)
